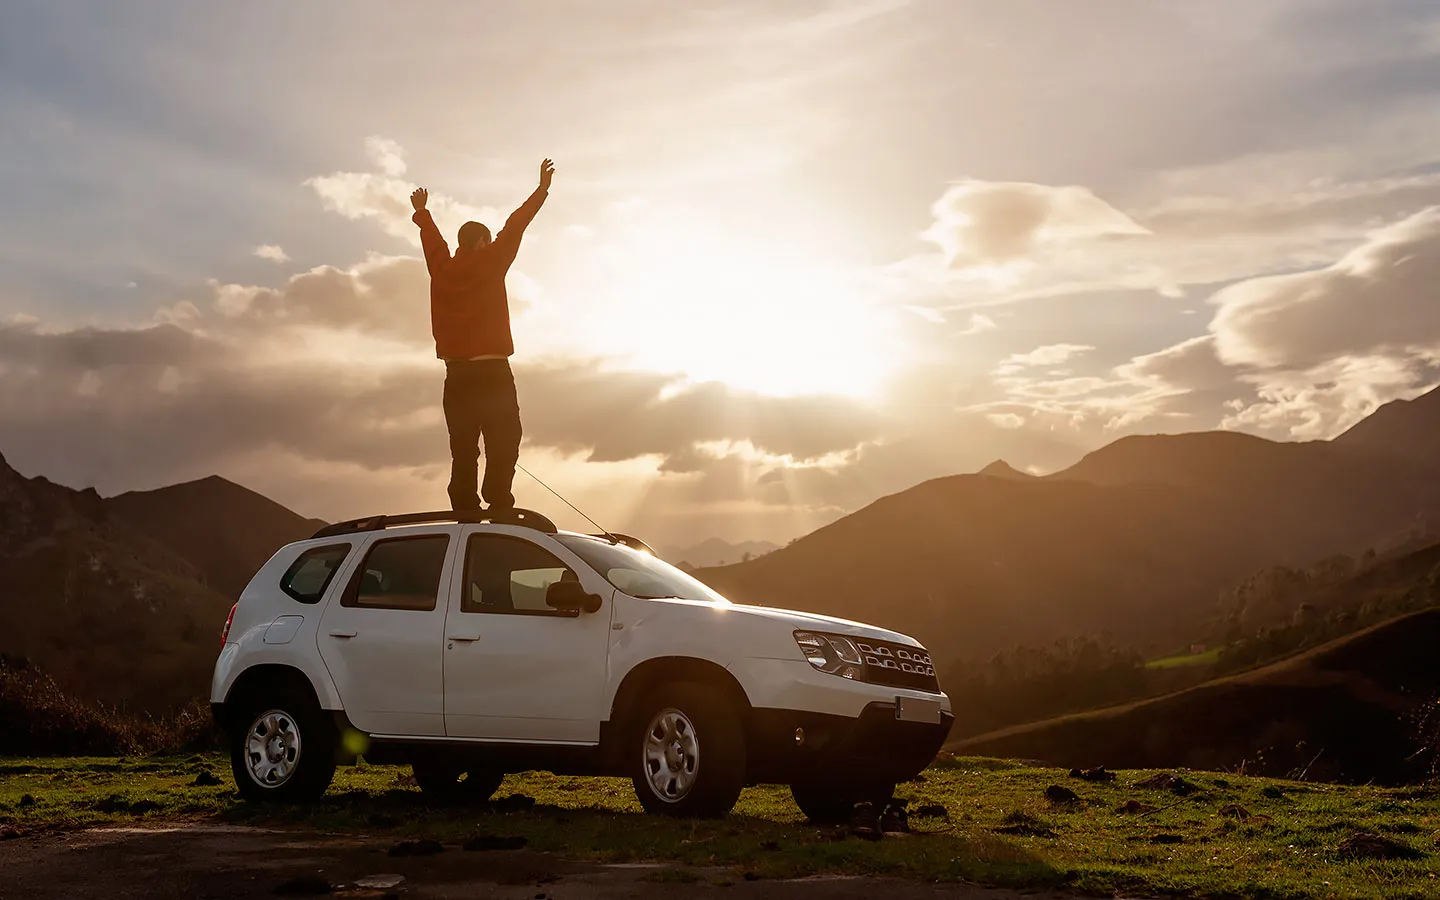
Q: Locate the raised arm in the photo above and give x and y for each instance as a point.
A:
(437, 252)
(509, 238)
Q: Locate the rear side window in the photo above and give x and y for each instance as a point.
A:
(403, 573)
(310, 574)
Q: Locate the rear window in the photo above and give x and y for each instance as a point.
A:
(310, 574)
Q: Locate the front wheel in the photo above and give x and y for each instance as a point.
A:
(687, 752)
(287, 754)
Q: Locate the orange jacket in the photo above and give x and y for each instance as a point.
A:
(469, 310)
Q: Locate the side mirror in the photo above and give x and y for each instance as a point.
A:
(571, 596)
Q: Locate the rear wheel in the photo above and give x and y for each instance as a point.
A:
(287, 752)
(686, 746)
(445, 781)
(829, 801)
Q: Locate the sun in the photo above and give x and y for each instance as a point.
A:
(717, 309)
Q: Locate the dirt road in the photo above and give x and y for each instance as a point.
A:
(220, 863)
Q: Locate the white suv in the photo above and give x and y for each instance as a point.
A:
(469, 646)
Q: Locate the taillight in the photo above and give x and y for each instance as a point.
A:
(225, 632)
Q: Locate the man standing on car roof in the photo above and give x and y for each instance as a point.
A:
(470, 317)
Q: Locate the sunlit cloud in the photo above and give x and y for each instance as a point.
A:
(272, 252)
(384, 196)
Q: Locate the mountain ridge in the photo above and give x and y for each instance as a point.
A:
(1142, 538)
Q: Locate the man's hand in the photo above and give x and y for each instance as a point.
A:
(419, 198)
(547, 172)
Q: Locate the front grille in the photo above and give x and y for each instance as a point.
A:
(898, 665)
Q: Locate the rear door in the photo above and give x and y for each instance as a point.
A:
(515, 669)
(382, 637)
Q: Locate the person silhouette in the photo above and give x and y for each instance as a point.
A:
(470, 318)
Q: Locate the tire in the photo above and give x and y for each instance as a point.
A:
(447, 782)
(296, 763)
(831, 801)
(686, 749)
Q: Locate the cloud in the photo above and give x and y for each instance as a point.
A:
(1378, 297)
(384, 196)
(1299, 356)
(1324, 348)
(385, 296)
(984, 223)
(1048, 355)
(979, 324)
(386, 154)
(1324, 400)
(273, 252)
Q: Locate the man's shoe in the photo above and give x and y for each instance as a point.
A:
(865, 822)
(502, 514)
(896, 818)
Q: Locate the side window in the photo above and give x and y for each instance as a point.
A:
(310, 574)
(401, 573)
(510, 575)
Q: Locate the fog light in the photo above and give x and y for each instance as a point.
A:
(799, 737)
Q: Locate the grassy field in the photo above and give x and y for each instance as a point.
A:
(1286, 841)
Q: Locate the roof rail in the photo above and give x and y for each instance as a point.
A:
(630, 541)
(523, 517)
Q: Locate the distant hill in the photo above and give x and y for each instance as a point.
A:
(715, 552)
(1001, 469)
(224, 530)
(109, 613)
(1143, 538)
(1404, 429)
(1341, 710)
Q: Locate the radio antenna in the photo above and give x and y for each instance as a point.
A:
(608, 536)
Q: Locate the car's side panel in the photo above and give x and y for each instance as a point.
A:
(529, 678)
(642, 630)
(260, 604)
(386, 663)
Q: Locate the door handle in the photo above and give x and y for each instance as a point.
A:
(467, 638)
(342, 634)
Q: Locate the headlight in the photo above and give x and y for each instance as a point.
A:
(831, 653)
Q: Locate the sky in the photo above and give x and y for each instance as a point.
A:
(797, 255)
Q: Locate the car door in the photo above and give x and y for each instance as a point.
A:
(515, 669)
(382, 638)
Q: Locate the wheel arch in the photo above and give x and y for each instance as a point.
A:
(260, 678)
(659, 670)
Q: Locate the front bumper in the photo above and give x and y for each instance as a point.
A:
(874, 744)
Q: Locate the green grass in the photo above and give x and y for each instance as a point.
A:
(1207, 658)
(1088, 847)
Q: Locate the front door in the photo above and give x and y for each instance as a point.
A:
(382, 639)
(515, 669)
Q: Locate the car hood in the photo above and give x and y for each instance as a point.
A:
(803, 621)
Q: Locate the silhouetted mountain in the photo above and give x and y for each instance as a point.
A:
(1405, 429)
(1141, 538)
(716, 552)
(1001, 469)
(224, 530)
(1342, 711)
(107, 612)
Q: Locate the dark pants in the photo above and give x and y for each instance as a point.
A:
(480, 400)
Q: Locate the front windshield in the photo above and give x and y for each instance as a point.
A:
(638, 574)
